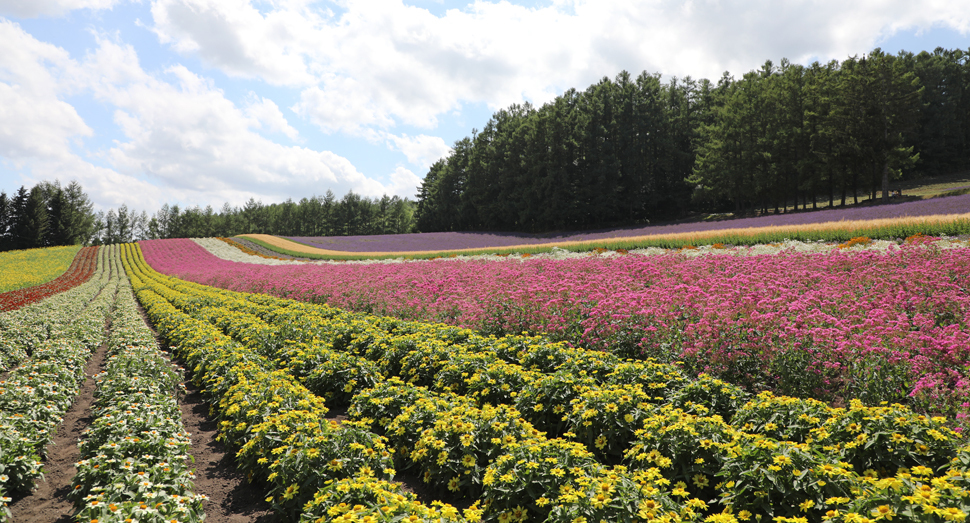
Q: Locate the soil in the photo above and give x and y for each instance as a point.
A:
(232, 499)
(48, 501)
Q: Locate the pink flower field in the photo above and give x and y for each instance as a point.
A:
(871, 325)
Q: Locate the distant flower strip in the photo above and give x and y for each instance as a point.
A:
(247, 250)
(26, 268)
(444, 241)
(81, 269)
(879, 326)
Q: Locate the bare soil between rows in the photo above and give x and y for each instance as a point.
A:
(48, 501)
(232, 499)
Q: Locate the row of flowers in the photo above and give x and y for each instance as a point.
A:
(793, 323)
(323, 454)
(891, 438)
(594, 397)
(53, 339)
(422, 425)
(134, 464)
(26, 268)
(278, 428)
(80, 270)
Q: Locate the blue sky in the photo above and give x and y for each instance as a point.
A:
(201, 102)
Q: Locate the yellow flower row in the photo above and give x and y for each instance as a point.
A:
(26, 268)
(278, 426)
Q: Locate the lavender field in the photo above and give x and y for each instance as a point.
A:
(474, 240)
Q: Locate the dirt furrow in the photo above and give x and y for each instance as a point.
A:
(48, 501)
(232, 499)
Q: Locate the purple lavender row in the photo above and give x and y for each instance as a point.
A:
(435, 241)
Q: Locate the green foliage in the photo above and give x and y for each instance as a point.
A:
(312, 216)
(782, 417)
(708, 396)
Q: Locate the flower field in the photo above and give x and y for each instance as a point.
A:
(528, 429)
(26, 268)
(787, 383)
(450, 241)
(79, 271)
(134, 466)
(46, 345)
(875, 325)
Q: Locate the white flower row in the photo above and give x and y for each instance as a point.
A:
(222, 250)
(54, 339)
(134, 463)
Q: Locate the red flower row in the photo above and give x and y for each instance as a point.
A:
(80, 271)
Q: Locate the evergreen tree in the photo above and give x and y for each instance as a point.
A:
(5, 213)
(30, 228)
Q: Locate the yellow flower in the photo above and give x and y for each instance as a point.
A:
(953, 514)
(883, 512)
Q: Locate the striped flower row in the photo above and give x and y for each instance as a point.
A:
(135, 463)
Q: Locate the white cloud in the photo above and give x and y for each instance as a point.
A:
(381, 63)
(182, 132)
(342, 107)
(34, 8)
(267, 115)
(181, 138)
(404, 183)
(34, 122)
(421, 150)
(234, 36)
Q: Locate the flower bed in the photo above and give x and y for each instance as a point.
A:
(134, 462)
(465, 447)
(80, 270)
(51, 341)
(27, 268)
(277, 426)
(793, 323)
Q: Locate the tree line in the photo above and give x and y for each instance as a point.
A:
(48, 215)
(314, 216)
(631, 150)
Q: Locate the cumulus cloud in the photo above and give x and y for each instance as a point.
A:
(382, 63)
(267, 115)
(404, 183)
(234, 36)
(183, 133)
(421, 150)
(34, 121)
(181, 138)
(34, 8)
